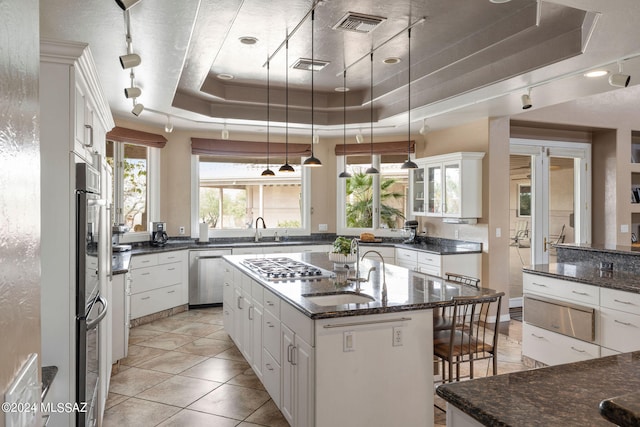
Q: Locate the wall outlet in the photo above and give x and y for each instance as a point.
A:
(181, 230)
(456, 234)
(348, 341)
(498, 232)
(322, 227)
(397, 336)
(624, 228)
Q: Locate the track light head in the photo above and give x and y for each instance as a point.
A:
(359, 138)
(137, 109)
(526, 101)
(225, 133)
(424, 129)
(619, 80)
(168, 128)
(130, 60)
(126, 4)
(132, 92)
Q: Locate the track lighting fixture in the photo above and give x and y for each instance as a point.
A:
(344, 173)
(409, 164)
(137, 108)
(371, 170)
(359, 137)
(312, 161)
(619, 80)
(130, 60)
(132, 92)
(526, 100)
(168, 128)
(268, 171)
(225, 132)
(126, 4)
(286, 167)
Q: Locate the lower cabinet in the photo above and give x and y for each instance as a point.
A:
(159, 282)
(552, 348)
(439, 265)
(120, 303)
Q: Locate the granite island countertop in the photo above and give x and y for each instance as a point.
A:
(405, 293)
(622, 410)
(588, 273)
(561, 395)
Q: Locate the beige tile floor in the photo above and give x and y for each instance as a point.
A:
(185, 371)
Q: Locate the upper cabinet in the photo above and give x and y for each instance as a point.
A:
(448, 186)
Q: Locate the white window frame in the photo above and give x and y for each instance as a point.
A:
(153, 190)
(305, 230)
(341, 207)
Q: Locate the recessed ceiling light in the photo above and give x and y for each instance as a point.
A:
(341, 89)
(225, 76)
(596, 73)
(391, 60)
(248, 40)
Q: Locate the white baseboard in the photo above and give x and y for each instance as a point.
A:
(515, 302)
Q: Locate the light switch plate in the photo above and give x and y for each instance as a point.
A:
(322, 227)
(624, 228)
(348, 341)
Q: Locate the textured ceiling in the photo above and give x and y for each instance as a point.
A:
(469, 58)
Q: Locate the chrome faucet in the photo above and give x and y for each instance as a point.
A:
(258, 235)
(384, 275)
(357, 279)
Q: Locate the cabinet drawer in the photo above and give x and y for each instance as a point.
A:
(406, 255)
(271, 376)
(628, 302)
(429, 269)
(155, 300)
(430, 259)
(140, 261)
(619, 330)
(271, 303)
(167, 257)
(551, 348)
(564, 289)
(271, 334)
(300, 324)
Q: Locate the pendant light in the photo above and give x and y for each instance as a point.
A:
(371, 170)
(286, 167)
(267, 171)
(312, 161)
(408, 164)
(344, 173)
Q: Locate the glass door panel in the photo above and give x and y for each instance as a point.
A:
(452, 189)
(433, 189)
(561, 193)
(418, 190)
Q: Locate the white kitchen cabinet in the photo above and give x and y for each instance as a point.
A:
(228, 310)
(620, 320)
(448, 185)
(298, 379)
(439, 265)
(388, 253)
(159, 282)
(120, 309)
(552, 348)
(63, 67)
(564, 290)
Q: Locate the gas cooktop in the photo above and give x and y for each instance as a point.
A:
(283, 268)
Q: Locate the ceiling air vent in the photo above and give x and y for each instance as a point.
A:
(358, 22)
(310, 64)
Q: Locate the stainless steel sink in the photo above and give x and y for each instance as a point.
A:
(339, 298)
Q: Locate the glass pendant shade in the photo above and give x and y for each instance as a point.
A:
(267, 172)
(408, 164)
(312, 161)
(286, 168)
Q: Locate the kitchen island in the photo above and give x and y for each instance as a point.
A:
(330, 361)
(562, 395)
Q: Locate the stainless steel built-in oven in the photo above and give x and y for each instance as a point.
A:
(91, 307)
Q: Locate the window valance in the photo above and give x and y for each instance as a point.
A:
(395, 147)
(131, 136)
(253, 149)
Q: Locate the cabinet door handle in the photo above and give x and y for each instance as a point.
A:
(623, 302)
(270, 325)
(293, 355)
(580, 293)
(171, 292)
(239, 302)
(269, 303)
(170, 257)
(269, 367)
(578, 350)
(249, 312)
(145, 274)
(146, 261)
(623, 323)
(144, 298)
(171, 269)
(537, 336)
(289, 348)
(539, 284)
(90, 144)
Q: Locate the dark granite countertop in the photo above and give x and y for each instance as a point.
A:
(404, 293)
(622, 410)
(561, 395)
(614, 249)
(587, 272)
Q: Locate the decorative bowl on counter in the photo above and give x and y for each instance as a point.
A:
(341, 258)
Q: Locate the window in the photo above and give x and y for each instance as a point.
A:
(132, 187)
(373, 202)
(232, 195)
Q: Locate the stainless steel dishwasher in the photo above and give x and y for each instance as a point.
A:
(206, 280)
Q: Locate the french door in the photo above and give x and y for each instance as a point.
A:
(553, 197)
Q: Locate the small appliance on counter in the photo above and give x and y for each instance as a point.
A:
(411, 228)
(158, 234)
(118, 230)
